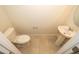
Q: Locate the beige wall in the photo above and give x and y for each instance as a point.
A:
(4, 22)
(70, 21)
(37, 19)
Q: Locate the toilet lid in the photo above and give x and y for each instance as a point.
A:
(21, 39)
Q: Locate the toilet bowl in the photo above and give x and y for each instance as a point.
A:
(22, 39)
(19, 39)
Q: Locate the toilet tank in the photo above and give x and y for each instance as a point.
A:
(10, 33)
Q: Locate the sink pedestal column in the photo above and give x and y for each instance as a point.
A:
(60, 40)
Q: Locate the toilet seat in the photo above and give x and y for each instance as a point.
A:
(21, 39)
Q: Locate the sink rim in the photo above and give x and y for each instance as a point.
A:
(64, 30)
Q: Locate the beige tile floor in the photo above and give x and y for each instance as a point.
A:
(39, 45)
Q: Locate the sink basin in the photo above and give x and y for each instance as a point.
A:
(66, 31)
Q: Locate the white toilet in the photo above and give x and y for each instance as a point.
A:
(18, 39)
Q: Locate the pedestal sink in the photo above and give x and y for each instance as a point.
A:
(65, 32)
